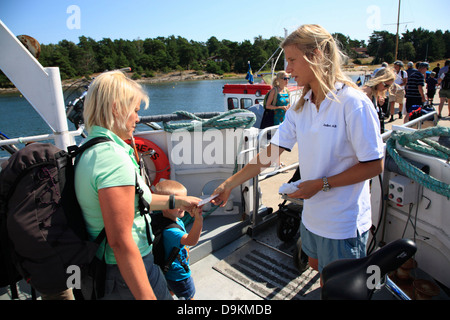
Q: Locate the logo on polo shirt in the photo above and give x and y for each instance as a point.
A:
(330, 125)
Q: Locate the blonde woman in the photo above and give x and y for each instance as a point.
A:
(339, 148)
(105, 179)
(376, 89)
(278, 99)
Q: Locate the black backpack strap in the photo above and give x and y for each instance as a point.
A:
(174, 253)
(75, 150)
(101, 236)
(144, 209)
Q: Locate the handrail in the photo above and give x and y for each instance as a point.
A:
(41, 137)
(385, 136)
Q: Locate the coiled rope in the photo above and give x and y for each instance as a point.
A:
(217, 122)
(411, 140)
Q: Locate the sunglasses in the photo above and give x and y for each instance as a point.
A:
(286, 78)
(386, 85)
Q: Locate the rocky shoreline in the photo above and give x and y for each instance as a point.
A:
(187, 75)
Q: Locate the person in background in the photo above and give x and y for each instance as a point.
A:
(105, 184)
(410, 68)
(280, 95)
(397, 92)
(415, 95)
(178, 276)
(383, 65)
(437, 69)
(431, 87)
(376, 89)
(444, 91)
(444, 69)
(339, 147)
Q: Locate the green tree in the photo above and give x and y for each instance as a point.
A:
(177, 53)
(406, 51)
(380, 44)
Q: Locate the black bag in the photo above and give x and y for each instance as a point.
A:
(269, 114)
(42, 229)
(159, 224)
(445, 84)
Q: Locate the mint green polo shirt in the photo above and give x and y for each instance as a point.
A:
(105, 165)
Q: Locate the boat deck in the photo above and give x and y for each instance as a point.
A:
(213, 283)
(229, 264)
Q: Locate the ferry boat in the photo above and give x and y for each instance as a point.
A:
(251, 97)
(251, 250)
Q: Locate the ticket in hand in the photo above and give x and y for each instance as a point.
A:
(205, 201)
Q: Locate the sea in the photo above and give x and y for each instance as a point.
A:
(19, 119)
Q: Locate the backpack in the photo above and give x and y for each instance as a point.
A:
(42, 229)
(445, 84)
(159, 224)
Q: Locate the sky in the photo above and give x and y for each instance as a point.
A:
(50, 21)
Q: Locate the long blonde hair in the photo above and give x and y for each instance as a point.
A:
(277, 80)
(112, 92)
(322, 52)
(382, 75)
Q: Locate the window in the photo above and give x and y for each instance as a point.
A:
(246, 103)
(232, 103)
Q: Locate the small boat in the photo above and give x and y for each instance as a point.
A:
(251, 97)
(239, 247)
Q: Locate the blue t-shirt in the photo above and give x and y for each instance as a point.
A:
(172, 238)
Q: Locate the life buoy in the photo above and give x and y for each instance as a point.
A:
(157, 156)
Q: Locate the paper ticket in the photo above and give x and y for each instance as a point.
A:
(205, 201)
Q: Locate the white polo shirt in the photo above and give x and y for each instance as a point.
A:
(331, 140)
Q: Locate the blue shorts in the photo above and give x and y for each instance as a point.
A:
(328, 250)
(183, 289)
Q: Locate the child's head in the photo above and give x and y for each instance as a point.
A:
(168, 187)
(433, 74)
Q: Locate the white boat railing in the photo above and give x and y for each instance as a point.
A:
(407, 126)
(42, 137)
(40, 86)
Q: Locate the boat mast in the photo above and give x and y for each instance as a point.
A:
(396, 40)
(285, 36)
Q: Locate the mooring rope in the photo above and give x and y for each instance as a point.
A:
(218, 122)
(411, 140)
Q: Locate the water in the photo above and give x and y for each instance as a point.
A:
(19, 119)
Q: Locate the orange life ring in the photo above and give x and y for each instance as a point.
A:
(158, 157)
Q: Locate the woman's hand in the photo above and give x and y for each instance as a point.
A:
(307, 189)
(187, 203)
(224, 193)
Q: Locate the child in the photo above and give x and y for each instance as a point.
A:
(179, 277)
(431, 87)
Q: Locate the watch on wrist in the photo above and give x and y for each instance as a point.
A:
(172, 201)
(326, 186)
